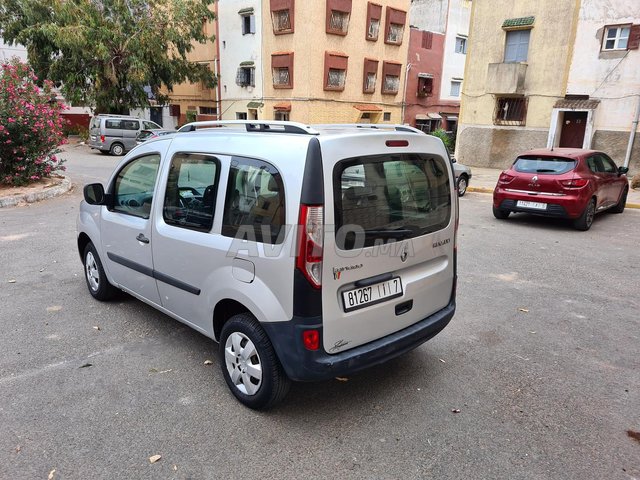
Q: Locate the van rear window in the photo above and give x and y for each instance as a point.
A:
(550, 165)
(390, 197)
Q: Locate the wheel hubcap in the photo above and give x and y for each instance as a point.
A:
(91, 269)
(243, 363)
(462, 185)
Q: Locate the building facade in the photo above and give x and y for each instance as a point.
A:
(435, 71)
(550, 73)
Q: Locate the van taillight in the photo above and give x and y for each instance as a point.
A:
(102, 138)
(311, 235)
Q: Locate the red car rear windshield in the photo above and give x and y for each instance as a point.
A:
(550, 165)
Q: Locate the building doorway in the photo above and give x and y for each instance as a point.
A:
(156, 115)
(574, 125)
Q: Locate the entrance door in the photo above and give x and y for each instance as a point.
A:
(156, 115)
(574, 125)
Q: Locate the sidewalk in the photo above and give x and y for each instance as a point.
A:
(484, 180)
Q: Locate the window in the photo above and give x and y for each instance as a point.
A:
(517, 46)
(208, 110)
(246, 75)
(241, 115)
(425, 85)
(150, 125)
(400, 192)
(370, 75)
(255, 203)
(455, 88)
(391, 77)
(546, 165)
(386, 116)
(282, 69)
(282, 16)
(461, 45)
(427, 40)
(281, 116)
(248, 21)
(134, 185)
(335, 68)
(113, 124)
(190, 196)
(616, 38)
(394, 29)
(510, 111)
(374, 14)
(428, 126)
(338, 14)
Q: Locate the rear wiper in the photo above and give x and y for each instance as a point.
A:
(389, 232)
(545, 170)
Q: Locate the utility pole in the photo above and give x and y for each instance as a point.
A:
(632, 135)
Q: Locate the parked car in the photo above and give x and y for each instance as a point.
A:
(200, 225)
(463, 176)
(149, 134)
(563, 182)
(116, 134)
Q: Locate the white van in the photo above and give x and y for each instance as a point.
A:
(307, 253)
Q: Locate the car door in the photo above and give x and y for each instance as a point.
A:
(614, 186)
(594, 162)
(126, 227)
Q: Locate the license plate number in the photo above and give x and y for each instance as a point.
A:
(372, 294)
(536, 205)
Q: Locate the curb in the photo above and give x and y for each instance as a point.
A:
(63, 187)
(490, 190)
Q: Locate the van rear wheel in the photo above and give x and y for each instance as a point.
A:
(117, 149)
(250, 365)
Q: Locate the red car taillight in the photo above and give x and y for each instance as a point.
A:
(505, 178)
(574, 183)
(102, 138)
(311, 235)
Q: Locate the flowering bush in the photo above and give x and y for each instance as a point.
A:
(30, 126)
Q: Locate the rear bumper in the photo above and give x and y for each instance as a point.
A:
(566, 206)
(304, 365)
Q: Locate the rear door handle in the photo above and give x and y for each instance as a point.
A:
(142, 238)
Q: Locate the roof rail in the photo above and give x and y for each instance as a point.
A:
(372, 126)
(115, 116)
(272, 126)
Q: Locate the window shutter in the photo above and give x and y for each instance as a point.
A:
(634, 38)
(427, 40)
(252, 24)
(240, 77)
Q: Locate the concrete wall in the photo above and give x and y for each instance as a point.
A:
(550, 49)
(430, 15)
(7, 52)
(310, 102)
(236, 48)
(615, 144)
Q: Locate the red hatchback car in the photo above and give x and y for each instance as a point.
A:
(564, 182)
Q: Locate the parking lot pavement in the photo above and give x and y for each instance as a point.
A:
(541, 360)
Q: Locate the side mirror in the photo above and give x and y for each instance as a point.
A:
(622, 170)
(94, 194)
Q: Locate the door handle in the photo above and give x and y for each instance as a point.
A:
(142, 238)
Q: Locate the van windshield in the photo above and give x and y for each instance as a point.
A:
(384, 198)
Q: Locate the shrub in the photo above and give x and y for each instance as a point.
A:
(445, 137)
(30, 126)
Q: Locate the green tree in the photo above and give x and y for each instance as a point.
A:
(111, 54)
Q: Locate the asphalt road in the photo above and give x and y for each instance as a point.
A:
(542, 359)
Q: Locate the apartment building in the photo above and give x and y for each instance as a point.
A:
(438, 45)
(550, 73)
(313, 62)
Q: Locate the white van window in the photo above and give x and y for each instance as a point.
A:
(254, 199)
(189, 200)
(390, 197)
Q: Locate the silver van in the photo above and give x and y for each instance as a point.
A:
(306, 252)
(116, 134)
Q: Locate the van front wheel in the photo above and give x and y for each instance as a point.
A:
(117, 149)
(249, 364)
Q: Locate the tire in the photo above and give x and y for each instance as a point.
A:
(501, 214)
(462, 184)
(584, 221)
(117, 149)
(256, 388)
(97, 283)
(619, 207)
(103, 152)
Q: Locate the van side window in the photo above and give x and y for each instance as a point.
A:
(130, 124)
(113, 124)
(192, 186)
(255, 202)
(133, 190)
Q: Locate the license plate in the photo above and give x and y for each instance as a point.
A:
(536, 205)
(372, 294)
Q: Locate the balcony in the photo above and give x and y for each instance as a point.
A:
(506, 78)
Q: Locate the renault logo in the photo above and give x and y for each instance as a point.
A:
(534, 182)
(404, 254)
